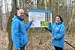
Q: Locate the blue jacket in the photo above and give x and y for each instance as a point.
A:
(18, 30)
(58, 30)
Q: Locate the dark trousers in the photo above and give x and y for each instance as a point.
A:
(22, 48)
(58, 48)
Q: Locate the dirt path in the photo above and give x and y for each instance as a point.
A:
(37, 41)
(3, 40)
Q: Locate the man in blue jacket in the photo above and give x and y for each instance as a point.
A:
(19, 31)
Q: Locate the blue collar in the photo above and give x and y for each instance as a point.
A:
(58, 23)
(20, 18)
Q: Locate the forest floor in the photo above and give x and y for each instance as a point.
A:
(37, 41)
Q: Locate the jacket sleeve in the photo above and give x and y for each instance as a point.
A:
(61, 33)
(15, 33)
(50, 27)
(28, 25)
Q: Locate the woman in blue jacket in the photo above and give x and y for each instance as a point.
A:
(58, 30)
(19, 31)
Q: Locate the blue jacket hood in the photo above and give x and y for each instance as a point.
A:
(17, 17)
(59, 23)
(14, 17)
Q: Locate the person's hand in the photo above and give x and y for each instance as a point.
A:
(18, 48)
(32, 20)
(49, 22)
(52, 38)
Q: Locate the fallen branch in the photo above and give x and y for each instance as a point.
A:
(70, 44)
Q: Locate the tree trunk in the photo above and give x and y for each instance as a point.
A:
(50, 4)
(10, 45)
(34, 4)
(58, 7)
(0, 18)
(45, 2)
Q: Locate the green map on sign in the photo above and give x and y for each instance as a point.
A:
(44, 23)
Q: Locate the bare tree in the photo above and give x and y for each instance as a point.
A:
(0, 15)
(10, 45)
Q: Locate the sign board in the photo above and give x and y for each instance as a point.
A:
(40, 17)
